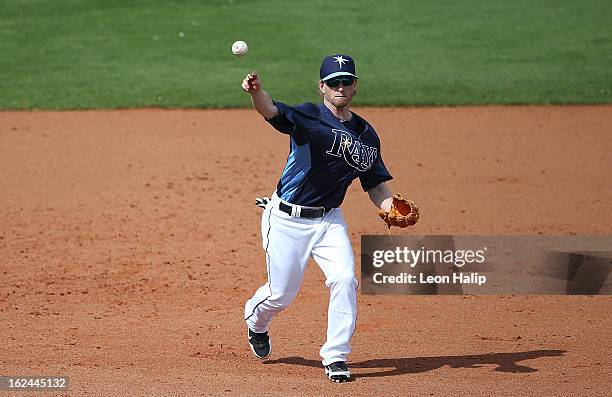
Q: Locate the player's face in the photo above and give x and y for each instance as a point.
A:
(341, 95)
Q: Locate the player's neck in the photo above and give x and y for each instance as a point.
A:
(343, 112)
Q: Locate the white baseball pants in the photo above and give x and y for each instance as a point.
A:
(288, 242)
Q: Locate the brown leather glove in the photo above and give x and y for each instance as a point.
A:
(403, 212)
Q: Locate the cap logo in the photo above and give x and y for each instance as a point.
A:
(340, 60)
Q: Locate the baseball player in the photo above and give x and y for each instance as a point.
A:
(329, 147)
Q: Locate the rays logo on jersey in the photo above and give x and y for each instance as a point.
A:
(355, 153)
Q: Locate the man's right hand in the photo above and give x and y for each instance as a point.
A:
(262, 102)
(251, 83)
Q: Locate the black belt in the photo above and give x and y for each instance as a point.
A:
(304, 212)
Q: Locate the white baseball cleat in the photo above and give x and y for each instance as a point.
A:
(338, 372)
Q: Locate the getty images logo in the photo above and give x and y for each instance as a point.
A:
(411, 257)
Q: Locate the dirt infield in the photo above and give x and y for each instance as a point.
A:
(129, 243)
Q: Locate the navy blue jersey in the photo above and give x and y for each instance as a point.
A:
(326, 155)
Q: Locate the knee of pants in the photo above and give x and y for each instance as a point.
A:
(281, 301)
(343, 281)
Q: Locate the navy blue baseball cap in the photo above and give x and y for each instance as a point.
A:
(337, 65)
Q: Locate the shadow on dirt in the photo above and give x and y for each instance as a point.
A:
(506, 362)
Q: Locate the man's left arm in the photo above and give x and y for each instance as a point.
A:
(381, 196)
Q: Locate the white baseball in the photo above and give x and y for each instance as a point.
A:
(239, 48)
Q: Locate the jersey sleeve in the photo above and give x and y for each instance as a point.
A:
(299, 121)
(375, 175)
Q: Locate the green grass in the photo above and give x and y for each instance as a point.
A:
(65, 54)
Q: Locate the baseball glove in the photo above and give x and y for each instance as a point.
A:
(403, 212)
